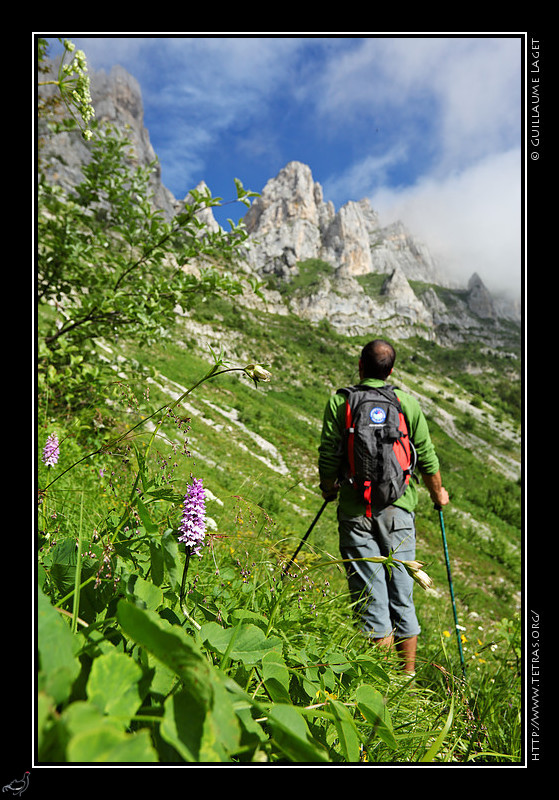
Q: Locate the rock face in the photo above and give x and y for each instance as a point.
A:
(117, 100)
(286, 221)
(364, 284)
(479, 299)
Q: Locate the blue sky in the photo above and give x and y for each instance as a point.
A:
(427, 127)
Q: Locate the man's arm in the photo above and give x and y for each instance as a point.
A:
(329, 456)
(439, 494)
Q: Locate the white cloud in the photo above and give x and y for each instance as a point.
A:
(463, 93)
(448, 111)
(470, 220)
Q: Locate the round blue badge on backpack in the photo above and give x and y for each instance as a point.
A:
(377, 415)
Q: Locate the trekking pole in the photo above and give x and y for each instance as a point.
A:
(439, 509)
(305, 537)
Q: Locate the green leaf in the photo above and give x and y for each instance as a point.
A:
(276, 677)
(245, 643)
(149, 526)
(146, 592)
(171, 559)
(59, 666)
(433, 750)
(200, 733)
(94, 737)
(169, 644)
(372, 668)
(348, 736)
(113, 685)
(94, 744)
(135, 748)
(371, 704)
(199, 721)
(292, 736)
(156, 561)
(107, 744)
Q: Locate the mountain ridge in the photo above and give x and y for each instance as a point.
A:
(368, 269)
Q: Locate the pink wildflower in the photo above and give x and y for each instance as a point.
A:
(51, 450)
(193, 522)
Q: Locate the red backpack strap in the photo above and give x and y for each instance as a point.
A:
(350, 431)
(367, 498)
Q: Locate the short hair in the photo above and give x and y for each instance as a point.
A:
(377, 359)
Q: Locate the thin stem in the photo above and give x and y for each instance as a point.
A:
(76, 607)
(183, 586)
(70, 594)
(211, 374)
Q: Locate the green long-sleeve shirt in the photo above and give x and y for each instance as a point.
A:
(330, 456)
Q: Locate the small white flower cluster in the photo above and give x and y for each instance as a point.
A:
(76, 86)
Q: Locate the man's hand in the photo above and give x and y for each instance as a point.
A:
(330, 489)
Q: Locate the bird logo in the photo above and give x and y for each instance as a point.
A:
(17, 787)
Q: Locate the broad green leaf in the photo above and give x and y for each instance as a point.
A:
(94, 744)
(200, 733)
(348, 736)
(43, 705)
(338, 662)
(169, 644)
(291, 734)
(113, 685)
(107, 744)
(171, 559)
(222, 731)
(157, 564)
(183, 724)
(145, 591)
(276, 677)
(200, 721)
(83, 715)
(371, 704)
(372, 667)
(245, 643)
(250, 616)
(149, 526)
(63, 566)
(59, 667)
(136, 748)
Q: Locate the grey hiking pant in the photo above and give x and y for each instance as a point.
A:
(383, 602)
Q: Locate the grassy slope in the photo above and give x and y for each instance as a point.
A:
(261, 444)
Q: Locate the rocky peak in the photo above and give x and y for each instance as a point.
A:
(285, 223)
(479, 299)
(292, 196)
(345, 242)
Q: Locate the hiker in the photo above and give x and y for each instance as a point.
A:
(383, 602)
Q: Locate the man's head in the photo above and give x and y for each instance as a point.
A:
(377, 360)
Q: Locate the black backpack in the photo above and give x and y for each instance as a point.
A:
(379, 457)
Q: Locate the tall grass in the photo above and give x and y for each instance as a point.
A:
(149, 654)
